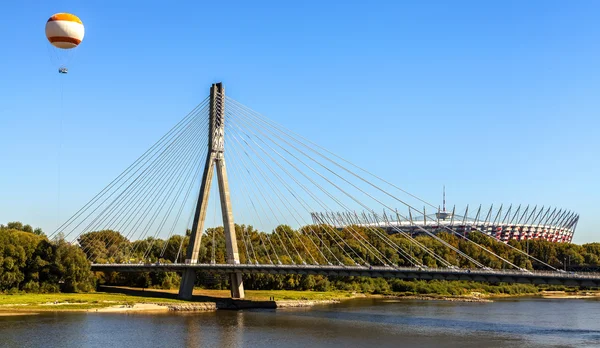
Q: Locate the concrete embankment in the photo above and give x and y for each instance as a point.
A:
(303, 303)
(247, 304)
(244, 304)
(207, 302)
(193, 307)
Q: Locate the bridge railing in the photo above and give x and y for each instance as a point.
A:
(554, 274)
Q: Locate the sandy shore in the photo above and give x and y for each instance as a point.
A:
(392, 298)
(302, 303)
(567, 295)
(138, 307)
(122, 308)
(12, 314)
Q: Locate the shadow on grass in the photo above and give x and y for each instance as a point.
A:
(221, 302)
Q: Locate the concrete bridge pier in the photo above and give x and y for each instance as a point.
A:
(215, 160)
(186, 288)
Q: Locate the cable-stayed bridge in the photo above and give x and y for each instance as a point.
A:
(274, 179)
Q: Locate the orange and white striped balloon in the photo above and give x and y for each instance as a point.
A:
(64, 30)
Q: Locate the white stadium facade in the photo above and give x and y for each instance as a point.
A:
(551, 224)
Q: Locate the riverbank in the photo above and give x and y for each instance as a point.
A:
(77, 302)
(437, 298)
(486, 297)
(353, 323)
(571, 294)
(126, 300)
(14, 314)
(253, 295)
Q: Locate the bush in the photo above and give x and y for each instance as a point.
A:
(49, 288)
(34, 264)
(307, 282)
(322, 285)
(31, 286)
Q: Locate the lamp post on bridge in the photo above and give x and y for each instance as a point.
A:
(565, 262)
(214, 159)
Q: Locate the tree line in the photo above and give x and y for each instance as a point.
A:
(324, 245)
(31, 262)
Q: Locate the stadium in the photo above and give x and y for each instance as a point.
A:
(551, 224)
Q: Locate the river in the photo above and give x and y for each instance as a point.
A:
(353, 323)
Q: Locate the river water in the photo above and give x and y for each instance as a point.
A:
(354, 323)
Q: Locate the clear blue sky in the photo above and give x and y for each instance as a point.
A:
(498, 100)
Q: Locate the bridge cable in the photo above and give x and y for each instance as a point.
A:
(160, 153)
(126, 212)
(139, 184)
(261, 190)
(141, 181)
(359, 240)
(184, 202)
(287, 134)
(299, 199)
(246, 193)
(464, 255)
(191, 168)
(280, 196)
(175, 177)
(148, 152)
(250, 203)
(309, 193)
(150, 209)
(338, 187)
(284, 159)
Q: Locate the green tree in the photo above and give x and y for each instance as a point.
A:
(104, 246)
(15, 225)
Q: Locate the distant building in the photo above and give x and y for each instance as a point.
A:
(551, 224)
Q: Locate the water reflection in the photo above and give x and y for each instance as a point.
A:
(357, 323)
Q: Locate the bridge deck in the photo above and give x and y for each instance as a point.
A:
(479, 275)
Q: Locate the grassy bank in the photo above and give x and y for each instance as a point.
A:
(209, 295)
(72, 302)
(130, 296)
(124, 296)
(265, 295)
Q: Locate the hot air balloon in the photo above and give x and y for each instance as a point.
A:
(65, 32)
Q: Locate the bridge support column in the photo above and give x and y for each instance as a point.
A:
(237, 285)
(188, 278)
(215, 158)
